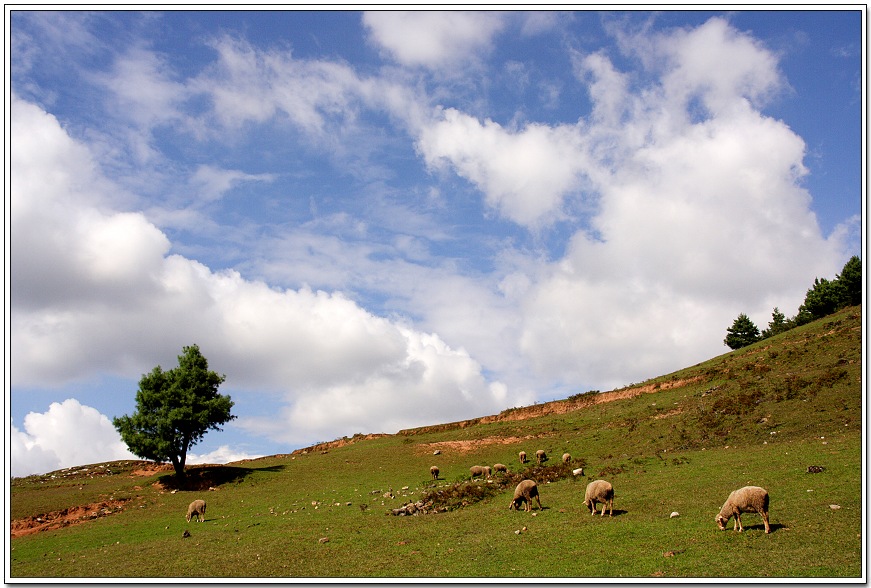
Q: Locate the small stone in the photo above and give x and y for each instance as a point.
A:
(835, 506)
(673, 515)
(517, 532)
(323, 540)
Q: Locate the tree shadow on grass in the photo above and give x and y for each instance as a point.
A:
(200, 478)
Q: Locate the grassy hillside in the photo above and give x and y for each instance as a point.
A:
(760, 415)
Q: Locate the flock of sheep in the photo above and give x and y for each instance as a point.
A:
(747, 499)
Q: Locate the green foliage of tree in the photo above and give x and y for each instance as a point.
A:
(850, 280)
(742, 333)
(174, 409)
(821, 300)
(778, 324)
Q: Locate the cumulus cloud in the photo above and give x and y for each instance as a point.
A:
(674, 204)
(696, 213)
(433, 39)
(223, 454)
(524, 174)
(68, 434)
(119, 301)
(429, 379)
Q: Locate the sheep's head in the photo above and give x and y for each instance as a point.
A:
(721, 522)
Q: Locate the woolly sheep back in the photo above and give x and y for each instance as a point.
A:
(477, 470)
(525, 491)
(599, 491)
(746, 499)
(197, 508)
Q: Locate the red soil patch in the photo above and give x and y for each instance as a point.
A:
(152, 469)
(63, 518)
(472, 444)
(528, 412)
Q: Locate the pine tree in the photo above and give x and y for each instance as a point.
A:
(743, 332)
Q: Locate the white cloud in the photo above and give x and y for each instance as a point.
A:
(68, 434)
(136, 306)
(428, 383)
(249, 85)
(698, 219)
(209, 183)
(142, 90)
(683, 206)
(524, 174)
(433, 39)
(221, 455)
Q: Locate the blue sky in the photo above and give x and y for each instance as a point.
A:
(372, 221)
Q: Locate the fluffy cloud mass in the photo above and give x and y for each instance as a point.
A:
(67, 434)
(364, 249)
(118, 301)
(432, 39)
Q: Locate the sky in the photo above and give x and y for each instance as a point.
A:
(370, 221)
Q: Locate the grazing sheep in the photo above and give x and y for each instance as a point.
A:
(522, 457)
(567, 458)
(197, 508)
(578, 472)
(480, 471)
(525, 492)
(541, 456)
(434, 470)
(500, 467)
(599, 491)
(746, 499)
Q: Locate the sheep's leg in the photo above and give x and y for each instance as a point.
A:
(738, 525)
(765, 520)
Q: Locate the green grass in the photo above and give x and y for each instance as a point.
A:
(759, 416)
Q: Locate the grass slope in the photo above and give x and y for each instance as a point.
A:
(760, 415)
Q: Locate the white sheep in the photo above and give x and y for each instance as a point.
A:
(567, 457)
(522, 455)
(599, 491)
(746, 499)
(480, 471)
(197, 508)
(434, 470)
(500, 467)
(541, 456)
(525, 492)
(578, 472)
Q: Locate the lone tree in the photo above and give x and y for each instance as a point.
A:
(742, 333)
(174, 409)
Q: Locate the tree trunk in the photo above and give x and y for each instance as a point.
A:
(178, 464)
